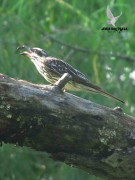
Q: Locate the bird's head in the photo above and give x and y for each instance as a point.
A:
(33, 53)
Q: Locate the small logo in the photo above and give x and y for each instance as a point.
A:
(112, 20)
(110, 15)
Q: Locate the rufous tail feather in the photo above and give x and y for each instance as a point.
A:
(109, 95)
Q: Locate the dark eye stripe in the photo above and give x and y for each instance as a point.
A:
(39, 53)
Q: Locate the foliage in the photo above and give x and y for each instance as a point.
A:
(79, 24)
(26, 164)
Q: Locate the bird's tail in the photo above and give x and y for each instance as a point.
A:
(95, 89)
(111, 96)
(89, 87)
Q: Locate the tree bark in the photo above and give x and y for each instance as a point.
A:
(78, 132)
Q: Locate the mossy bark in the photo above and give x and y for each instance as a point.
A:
(78, 132)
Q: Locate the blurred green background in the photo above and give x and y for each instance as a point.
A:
(53, 25)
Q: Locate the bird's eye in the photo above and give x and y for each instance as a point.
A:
(39, 53)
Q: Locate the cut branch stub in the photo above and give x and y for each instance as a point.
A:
(63, 80)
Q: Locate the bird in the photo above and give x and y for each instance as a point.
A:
(113, 19)
(52, 69)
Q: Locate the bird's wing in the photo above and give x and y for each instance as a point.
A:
(117, 17)
(109, 13)
(81, 79)
(60, 67)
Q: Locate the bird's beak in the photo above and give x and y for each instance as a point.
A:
(24, 53)
(27, 52)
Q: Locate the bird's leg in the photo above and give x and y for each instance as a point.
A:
(63, 80)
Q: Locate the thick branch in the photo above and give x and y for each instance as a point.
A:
(94, 138)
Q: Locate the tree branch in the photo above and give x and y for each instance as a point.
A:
(88, 51)
(78, 132)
